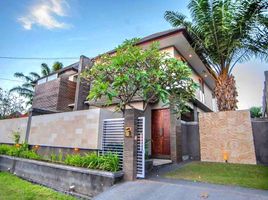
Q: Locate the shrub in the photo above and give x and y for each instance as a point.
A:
(56, 158)
(4, 149)
(14, 151)
(255, 112)
(60, 157)
(75, 160)
(30, 154)
(108, 162)
(53, 157)
(16, 137)
(21, 151)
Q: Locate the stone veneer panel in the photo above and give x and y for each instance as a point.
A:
(8, 126)
(81, 129)
(69, 129)
(229, 132)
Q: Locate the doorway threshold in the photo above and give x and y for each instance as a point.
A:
(161, 162)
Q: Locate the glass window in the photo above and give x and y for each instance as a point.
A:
(52, 77)
(43, 80)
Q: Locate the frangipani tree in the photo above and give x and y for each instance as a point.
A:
(132, 72)
(226, 32)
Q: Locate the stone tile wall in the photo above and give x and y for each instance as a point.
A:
(8, 126)
(80, 129)
(226, 132)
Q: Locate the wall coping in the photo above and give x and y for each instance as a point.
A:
(69, 168)
(189, 123)
(259, 119)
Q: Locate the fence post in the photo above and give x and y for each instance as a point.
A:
(130, 145)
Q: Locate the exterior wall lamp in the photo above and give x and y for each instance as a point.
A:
(225, 156)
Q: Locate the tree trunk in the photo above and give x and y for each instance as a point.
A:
(226, 93)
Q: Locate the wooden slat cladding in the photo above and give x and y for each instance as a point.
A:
(66, 94)
(55, 95)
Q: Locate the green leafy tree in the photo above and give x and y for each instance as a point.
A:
(255, 112)
(148, 75)
(226, 32)
(9, 104)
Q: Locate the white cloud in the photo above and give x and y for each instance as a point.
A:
(45, 14)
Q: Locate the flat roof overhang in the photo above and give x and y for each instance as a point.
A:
(179, 40)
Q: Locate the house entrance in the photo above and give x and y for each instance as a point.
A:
(160, 133)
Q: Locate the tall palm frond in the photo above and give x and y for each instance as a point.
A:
(226, 32)
(23, 77)
(27, 88)
(57, 66)
(35, 75)
(45, 70)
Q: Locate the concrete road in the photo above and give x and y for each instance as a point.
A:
(179, 190)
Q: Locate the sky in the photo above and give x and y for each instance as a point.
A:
(70, 28)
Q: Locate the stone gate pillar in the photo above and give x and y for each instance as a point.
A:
(175, 138)
(130, 145)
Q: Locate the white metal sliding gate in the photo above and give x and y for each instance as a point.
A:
(113, 141)
(113, 138)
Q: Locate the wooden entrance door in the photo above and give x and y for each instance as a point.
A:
(160, 133)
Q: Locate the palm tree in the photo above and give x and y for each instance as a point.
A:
(57, 66)
(45, 70)
(27, 88)
(226, 32)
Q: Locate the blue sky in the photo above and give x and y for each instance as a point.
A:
(58, 28)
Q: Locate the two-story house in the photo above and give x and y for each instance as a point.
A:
(64, 90)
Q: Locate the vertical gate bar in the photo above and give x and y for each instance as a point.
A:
(143, 147)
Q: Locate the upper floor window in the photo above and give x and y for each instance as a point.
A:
(40, 81)
(201, 84)
(73, 78)
(48, 78)
(52, 77)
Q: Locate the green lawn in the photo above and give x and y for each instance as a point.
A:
(12, 187)
(251, 176)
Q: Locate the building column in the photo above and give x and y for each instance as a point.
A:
(175, 138)
(82, 86)
(130, 145)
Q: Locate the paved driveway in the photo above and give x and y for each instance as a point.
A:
(167, 189)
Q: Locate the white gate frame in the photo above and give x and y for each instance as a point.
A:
(141, 148)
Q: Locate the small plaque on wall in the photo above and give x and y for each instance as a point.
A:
(128, 132)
